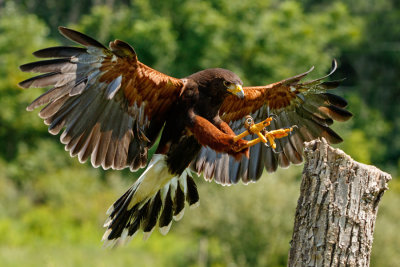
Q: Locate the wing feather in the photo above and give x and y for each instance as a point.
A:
(59, 52)
(304, 104)
(103, 98)
(80, 38)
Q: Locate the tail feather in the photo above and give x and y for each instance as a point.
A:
(166, 215)
(154, 210)
(192, 196)
(143, 207)
(179, 204)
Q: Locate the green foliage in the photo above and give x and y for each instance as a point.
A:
(52, 207)
(20, 35)
(231, 219)
(386, 240)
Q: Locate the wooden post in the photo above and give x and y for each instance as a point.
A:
(336, 210)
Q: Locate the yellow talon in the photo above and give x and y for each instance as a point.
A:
(240, 136)
(263, 135)
(252, 128)
(279, 133)
(271, 140)
(256, 128)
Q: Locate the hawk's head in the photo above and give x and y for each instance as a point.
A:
(218, 83)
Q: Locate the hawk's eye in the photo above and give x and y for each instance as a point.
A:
(227, 84)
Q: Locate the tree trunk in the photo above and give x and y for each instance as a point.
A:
(336, 210)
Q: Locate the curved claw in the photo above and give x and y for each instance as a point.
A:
(293, 127)
(274, 116)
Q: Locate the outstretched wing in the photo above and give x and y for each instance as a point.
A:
(111, 106)
(306, 105)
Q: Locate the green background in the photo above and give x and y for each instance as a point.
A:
(52, 208)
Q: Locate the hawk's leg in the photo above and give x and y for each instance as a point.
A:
(263, 135)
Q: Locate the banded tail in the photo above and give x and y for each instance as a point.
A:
(157, 196)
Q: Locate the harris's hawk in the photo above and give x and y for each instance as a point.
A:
(112, 108)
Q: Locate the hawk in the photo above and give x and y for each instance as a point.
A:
(112, 108)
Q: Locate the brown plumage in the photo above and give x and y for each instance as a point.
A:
(112, 108)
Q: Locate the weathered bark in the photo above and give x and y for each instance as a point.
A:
(336, 210)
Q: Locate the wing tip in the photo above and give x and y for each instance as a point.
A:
(66, 31)
(24, 67)
(334, 64)
(38, 53)
(62, 28)
(25, 84)
(79, 37)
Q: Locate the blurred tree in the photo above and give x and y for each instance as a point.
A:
(56, 13)
(19, 36)
(231, 221)
(200, 35)
(373, 69)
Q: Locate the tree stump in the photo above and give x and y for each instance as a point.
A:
(336, 210)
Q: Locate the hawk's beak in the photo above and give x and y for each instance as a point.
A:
(236, 89)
